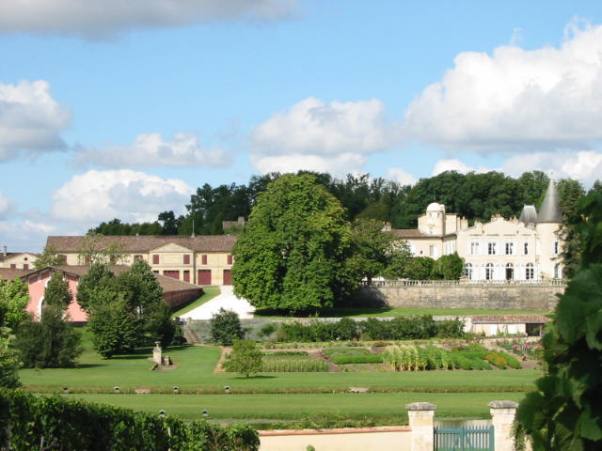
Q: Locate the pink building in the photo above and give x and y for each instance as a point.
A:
(175, 292)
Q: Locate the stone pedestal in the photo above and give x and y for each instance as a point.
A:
(421, 419)
(502, 418)
(157, 354)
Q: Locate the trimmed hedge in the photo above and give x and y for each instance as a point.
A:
(399, 328)
(36, 422)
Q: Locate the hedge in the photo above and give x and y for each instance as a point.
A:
(400, 328)
(37, 422)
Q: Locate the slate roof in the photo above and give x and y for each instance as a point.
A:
(145, 243)
(549, 212)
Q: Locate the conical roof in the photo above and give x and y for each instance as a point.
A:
(550, 207)
(528, 215)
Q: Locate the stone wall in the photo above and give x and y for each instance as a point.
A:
(534, 296)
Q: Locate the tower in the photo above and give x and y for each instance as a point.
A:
(549, 220)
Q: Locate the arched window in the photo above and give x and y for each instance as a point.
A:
(509, 271)
(489, 271)
(468, 271)
(529, 272)
(557, 271)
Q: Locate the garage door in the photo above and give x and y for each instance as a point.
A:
(227, 277)
(204, 277)
(172, 274)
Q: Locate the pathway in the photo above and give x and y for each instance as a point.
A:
(226, 300)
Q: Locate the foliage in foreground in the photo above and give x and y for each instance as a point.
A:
(246, 358)
(31, 422)
(14, 296)
(565, 413)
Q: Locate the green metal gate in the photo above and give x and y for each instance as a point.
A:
(467, 438)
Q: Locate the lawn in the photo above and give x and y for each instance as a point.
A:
(208, 294)
(375, 312)
(380, 407)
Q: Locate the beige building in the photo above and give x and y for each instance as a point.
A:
(524, 249)
(201, 260)
(17, 260)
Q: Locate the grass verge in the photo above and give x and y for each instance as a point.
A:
(208, 294)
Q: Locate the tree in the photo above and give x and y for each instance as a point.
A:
(94, 251)
(49, 257)
(292, 254)
(398, 261)
(245, 358)
(9, 362)
(98, 277)
(14, 296)
(57, 292)
(115, 329)
(570, 192)
(225, 327)
(419, 268)
(565, 412)
(448, 267)
(371, 249)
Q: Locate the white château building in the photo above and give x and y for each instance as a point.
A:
(523, 249)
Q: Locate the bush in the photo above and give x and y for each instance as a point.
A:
(225, 327)
(267, 330)
(245, 358)
(9, 364)
(31, 422)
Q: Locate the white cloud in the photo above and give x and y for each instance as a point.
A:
(24, 235)
(97, 196)
(150, 150)
(100, 17)
(400, 176)
(515, 99)
(585, 165)
(4, 206)
(30, 119)
(313, 134)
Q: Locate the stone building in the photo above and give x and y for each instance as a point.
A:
(523, 249)
(200, 260)
(17, 260)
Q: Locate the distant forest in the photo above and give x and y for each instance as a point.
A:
(476, 196)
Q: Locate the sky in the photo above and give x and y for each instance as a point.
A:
(121, 109)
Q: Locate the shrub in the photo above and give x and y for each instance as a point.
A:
(245, 358)
(267, 330)
(32, 422)
(9, 364)
(225, 327)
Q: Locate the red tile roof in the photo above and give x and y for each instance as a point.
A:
(144, 243)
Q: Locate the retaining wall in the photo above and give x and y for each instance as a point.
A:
(537, 296)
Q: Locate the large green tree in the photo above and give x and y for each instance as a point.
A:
(372, 248)
(292, 254)
(14, 296)
(565, 412)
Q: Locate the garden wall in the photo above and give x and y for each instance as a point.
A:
(536, 296)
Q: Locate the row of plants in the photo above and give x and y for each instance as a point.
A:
(346, 356)
(522, 348)
(421, 358)
(278, 362)
(400, 328)
(38, 422)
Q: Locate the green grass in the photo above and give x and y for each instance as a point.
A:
(377, 406)
(208, 294)
(407, 311)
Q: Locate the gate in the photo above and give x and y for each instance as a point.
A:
(467, 438)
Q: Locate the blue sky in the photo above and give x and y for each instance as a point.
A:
(108, 110)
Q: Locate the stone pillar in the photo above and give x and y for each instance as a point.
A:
(421, 418)
(502, 418)
(158, 353)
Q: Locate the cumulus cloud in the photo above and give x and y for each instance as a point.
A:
(96, 196)
(456, 165)
(319, 135)
(102, 17)
(585, 165)
(400, 176)
(515, 99)
(151, 150)
(31, 121)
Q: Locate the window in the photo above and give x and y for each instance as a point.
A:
(186, 276)
(556, 248)
(491, 248)
(229, 259)
(155, 259)
(526, 248)
(489, 271)
(204, 260)
(186, 259)
(431, 250)
(557, 272)
(468, 271)
(474, 248)
(529, 272)
(509, 271)
(25, 266)
(137, 258)
(509, 248)
(13, 266)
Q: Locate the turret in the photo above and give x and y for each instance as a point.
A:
(550, 207)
